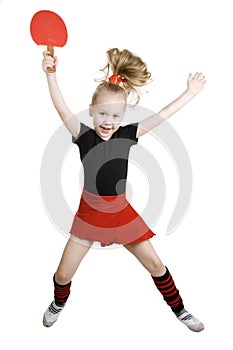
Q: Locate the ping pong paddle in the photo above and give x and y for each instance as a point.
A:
(48, 28)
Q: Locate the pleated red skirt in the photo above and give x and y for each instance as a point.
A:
(108, 220)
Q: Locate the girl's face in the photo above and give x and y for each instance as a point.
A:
(107, 114)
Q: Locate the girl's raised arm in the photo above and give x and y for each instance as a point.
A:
(68, 118)
(195, 84)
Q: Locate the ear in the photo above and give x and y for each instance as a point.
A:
(90, 110)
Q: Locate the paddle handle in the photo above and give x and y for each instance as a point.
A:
(51, 53)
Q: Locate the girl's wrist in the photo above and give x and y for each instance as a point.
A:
(50, 75)
(190, 93)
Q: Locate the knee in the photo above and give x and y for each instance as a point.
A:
(61, 277)
(157, 268)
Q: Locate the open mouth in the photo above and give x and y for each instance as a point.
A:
(105, 129)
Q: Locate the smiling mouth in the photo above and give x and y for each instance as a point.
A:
(104, 128)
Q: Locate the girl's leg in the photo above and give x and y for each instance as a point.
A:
(72, 256)
(74, 252)
(164, 282)
(145, 253)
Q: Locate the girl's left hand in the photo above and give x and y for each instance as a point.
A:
(196, 83)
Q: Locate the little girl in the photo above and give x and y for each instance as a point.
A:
(104, 214)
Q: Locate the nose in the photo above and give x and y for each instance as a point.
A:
(108, 120)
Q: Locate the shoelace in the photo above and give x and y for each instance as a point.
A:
(53, 310)
(187, 315)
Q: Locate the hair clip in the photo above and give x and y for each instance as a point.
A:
(116, 79)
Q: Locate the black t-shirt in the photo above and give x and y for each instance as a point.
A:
(105, 162)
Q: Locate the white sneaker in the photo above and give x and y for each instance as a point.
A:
(190, 321)
(51, 314)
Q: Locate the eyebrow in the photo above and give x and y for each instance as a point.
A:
(105, 111)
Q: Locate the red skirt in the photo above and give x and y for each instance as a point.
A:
(108, 220)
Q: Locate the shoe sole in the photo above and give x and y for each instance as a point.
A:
(201, 328)
(46, 324)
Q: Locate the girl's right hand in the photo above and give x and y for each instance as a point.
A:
(48, 62)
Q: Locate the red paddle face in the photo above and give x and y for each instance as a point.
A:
(47, 28)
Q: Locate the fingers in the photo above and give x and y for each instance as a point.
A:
(199, 76)
(55, 60)
(48, 61)
(46, 53)
(190, 77)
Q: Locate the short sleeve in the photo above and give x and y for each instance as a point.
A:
(129, 131)
(83, 128)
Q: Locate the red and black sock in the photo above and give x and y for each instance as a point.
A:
(170, 293)
(61, 292)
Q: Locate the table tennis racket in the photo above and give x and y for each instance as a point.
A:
(48, 28)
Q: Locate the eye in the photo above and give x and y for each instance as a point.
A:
(116, 116)
(102, 114)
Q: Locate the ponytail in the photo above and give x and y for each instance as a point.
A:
(131, 71)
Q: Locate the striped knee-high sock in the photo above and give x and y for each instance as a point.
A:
(61, 292)
(170, 293)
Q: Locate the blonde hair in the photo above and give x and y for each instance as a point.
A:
(126, 65)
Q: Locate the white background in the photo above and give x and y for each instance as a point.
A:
(114, 304)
